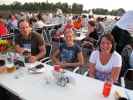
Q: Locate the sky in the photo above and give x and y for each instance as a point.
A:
(88, 4)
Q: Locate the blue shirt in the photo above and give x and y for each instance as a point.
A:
(69, 54)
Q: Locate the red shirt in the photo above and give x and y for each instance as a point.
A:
(3, 29)
(77, 24)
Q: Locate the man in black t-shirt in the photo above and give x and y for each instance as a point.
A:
(29, 41)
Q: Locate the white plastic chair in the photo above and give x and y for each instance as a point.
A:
(76, 69)
(47, 58)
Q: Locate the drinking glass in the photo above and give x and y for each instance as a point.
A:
(107, 88)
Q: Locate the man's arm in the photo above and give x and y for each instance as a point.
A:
(19, 49)
(39, 56)
(42, 53)
(55, 59)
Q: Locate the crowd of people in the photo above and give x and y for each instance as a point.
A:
(107, 55)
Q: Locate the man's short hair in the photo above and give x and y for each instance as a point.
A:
(23, 20)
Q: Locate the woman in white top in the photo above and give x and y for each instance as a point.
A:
(105, 63)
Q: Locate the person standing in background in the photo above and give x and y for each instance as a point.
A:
(123, 31)
(12, 24)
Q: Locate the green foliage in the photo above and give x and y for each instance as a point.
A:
(51, 7)
(77, 8)
(100, 11)
(118, 12)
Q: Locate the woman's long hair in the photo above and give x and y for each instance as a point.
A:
(109, 37)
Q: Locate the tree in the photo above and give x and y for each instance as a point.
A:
(117, 12)
(16, 5)
(51, 7)
(120, 12)
(100, 11)
(77, 8)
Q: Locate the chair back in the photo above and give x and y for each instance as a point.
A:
(129, 79)
(47, 36)
(10, 37)
(39, 30)
(49, 31)
(47, 58)
(48, 50)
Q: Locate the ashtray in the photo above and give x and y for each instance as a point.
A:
(37, 69)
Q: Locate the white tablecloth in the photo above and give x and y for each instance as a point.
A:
(34, 87)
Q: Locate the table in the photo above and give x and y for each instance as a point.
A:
(34, 87)
(82, 36)
(51, 25)
(79, 38)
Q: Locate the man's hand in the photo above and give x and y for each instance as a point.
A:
(2, 69)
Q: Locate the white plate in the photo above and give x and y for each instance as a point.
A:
(36, 71)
